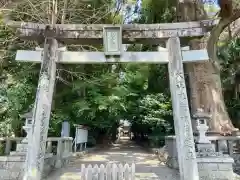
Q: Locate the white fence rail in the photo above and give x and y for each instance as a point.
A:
(108, 172)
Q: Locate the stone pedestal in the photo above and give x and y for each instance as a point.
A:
(12, 166)
(215, 168)
(213, 165)
(171, 147)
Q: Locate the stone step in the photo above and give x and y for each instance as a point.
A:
(7, 175)
(5, 159)
(15, 153)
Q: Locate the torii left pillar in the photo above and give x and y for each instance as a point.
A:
(42, 109)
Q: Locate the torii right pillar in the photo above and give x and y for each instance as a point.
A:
(182, 120)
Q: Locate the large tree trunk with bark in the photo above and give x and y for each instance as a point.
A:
(204, 78)
(206, 92)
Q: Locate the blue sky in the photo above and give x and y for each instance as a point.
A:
(210, 1)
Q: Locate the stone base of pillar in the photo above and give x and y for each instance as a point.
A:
(215, 168)
(171, 148)
(172, 162)
(212, 165)
(12, 166)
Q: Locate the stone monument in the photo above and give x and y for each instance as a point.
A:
(212, 165)
(65, 129)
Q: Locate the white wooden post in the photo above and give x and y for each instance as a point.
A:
(182, 120)
(108, 172)
(42, 109)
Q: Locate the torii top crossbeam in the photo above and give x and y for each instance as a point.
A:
(131, 33)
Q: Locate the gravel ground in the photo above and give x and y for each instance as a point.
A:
(147, 165)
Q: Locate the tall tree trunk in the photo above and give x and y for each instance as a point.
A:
(206, 92)
(204, 78)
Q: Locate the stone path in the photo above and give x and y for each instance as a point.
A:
(147, 165)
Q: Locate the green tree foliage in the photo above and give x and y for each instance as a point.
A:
(16, 85)
(230, 62)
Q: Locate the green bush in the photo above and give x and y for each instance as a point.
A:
(156, 141)
(1, 149)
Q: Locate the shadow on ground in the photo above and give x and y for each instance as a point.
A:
(147, 165)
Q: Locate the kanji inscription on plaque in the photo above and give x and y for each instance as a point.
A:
(112, 40)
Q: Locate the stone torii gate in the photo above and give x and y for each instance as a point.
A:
(112, 36)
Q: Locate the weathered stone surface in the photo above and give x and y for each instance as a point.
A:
(9, 175)
(11, 167)
(172, 163)
(42, 110)
(132, 33)
(211, 165)
(171, 148)
(21, 147)
(205, 148)
(182, 120)
(215, 170)
(236, 164)
(225, 166)
(73, 57)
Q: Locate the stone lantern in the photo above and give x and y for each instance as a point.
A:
(201, 119)
(28, 125)
(204, 145)
(212, 165)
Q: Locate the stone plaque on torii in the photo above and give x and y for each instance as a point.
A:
(112, 36)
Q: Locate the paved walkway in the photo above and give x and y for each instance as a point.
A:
(147, 165)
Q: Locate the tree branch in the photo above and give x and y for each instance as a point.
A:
(214, 36)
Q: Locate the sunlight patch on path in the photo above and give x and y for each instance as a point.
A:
(116, 153)
(146, 176)
(148, 166)
(141, 154)
(95, 158)
(140, 158)
(138, 176)
(70, 176)
(149, 163)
